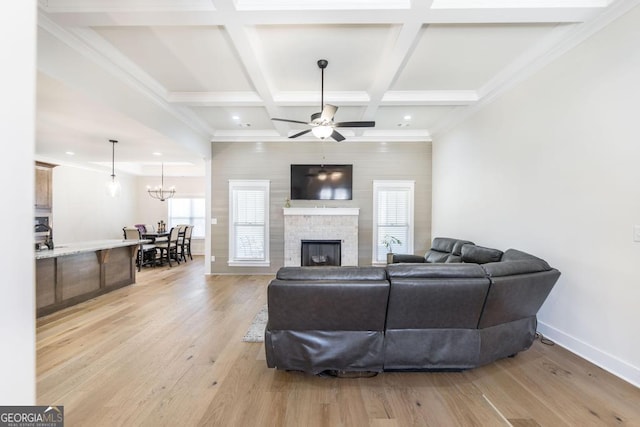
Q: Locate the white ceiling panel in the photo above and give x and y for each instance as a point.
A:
(290, 54)
(465, 57)
(186, 59)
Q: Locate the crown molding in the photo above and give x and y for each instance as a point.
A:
(282, 5)
(430, 97)
(312, 98)
(216, 99)
(93, 6)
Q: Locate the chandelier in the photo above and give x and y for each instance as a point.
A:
(159, 192)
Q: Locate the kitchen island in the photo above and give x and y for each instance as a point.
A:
(76, 272)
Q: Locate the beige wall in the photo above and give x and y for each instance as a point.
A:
(551, 168)
(272, 161)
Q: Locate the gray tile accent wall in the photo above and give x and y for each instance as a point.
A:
(272, 160)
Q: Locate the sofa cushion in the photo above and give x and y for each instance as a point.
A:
(479, 254)
(344, 273)
(453, 259)
(453, 270)
(509, 268)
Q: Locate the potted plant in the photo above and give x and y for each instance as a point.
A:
(388, 241)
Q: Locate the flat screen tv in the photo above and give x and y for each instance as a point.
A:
(321, 182)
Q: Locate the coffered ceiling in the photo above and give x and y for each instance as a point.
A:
(170, 76)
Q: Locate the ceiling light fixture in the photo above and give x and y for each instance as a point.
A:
(159, 192)
(322, 131)
(113, 186)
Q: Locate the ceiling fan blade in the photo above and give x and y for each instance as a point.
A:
(300, 133)
(290, 121)
(328, 112)
(337, 136)
(355, 124)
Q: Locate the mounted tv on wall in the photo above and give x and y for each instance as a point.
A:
(321, 182)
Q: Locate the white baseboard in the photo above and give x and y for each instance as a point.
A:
(604, 360)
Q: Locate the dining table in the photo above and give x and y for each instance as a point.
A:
(155, 236)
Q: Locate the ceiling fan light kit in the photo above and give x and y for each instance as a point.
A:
(322, 123)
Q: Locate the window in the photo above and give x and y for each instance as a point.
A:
(249, 223)
(188, 211)
(392, 216)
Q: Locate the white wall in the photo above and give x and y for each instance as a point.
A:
(17, 127)
(83, 211)
(552, 168)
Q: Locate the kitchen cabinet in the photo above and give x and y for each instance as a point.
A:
(44, 182)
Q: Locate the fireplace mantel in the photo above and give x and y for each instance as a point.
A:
(321, 211)
(320, 224)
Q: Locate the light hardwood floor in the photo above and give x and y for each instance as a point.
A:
(168, 351)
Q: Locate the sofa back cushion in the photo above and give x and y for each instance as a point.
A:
(443, 248)
(327, 305)
(457, 247)
(435, 296)
(479, 254)
(342, 273)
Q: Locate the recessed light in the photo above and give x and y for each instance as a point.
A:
(69, 153)
(235, 117)
(157, 153)
(407, 117)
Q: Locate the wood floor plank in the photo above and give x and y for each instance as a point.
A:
(167, 351)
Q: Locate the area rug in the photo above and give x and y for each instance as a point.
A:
(258, 325)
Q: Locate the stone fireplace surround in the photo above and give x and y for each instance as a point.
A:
(320, 224)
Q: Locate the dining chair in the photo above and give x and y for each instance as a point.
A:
(169, 248)
(146, 252)
(186, 244)
(182, 229)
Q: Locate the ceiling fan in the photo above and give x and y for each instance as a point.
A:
(322, 124)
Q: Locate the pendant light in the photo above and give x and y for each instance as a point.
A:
(159, 192)
(113, 187)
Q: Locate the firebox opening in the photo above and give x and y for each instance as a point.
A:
(321, 252)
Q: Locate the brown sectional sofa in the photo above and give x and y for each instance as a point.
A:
(407, 316)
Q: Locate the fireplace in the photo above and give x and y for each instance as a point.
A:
(314, 224)
(321, 252)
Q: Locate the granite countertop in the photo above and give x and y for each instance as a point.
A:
(79, 247)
